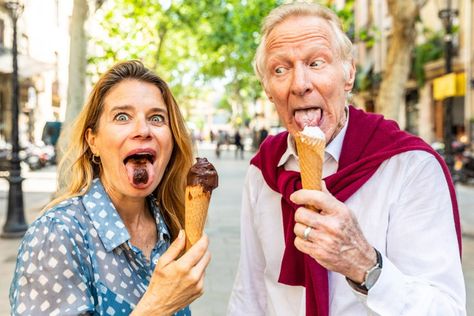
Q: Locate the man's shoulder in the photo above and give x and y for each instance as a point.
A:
(414, 161)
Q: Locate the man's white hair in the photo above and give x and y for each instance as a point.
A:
(285, 11)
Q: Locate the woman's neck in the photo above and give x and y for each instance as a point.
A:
(132, 210)
(139, 221)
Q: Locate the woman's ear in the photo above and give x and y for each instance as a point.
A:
(90, 139)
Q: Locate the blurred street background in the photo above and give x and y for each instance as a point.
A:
(414, 65)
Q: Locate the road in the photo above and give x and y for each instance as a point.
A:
(222, 228)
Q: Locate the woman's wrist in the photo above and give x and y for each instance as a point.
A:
(145, 309)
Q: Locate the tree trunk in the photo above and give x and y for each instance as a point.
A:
(391, 97)
(77, 72)
(77, 61)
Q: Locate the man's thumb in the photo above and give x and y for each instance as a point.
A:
(174, 250)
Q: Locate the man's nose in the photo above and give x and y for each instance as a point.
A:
(301, 83)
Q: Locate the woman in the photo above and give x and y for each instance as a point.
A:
(103, 247)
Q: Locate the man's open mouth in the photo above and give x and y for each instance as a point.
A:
(308, 116)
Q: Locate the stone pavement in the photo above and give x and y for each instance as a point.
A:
(222, 228)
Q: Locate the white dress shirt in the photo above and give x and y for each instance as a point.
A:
(404, 210)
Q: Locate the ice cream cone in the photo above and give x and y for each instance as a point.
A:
(196, 205)
(311, 157)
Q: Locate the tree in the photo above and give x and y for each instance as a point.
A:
(189, 43)
(227, 49)
(77, 60)
(77, 67)
(391, 95)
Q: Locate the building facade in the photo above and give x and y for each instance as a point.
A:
(422, 113)
(43, 54)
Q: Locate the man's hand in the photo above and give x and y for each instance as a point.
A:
(175, 283)
(335, 240)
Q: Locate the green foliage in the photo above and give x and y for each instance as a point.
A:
(369, 35)
(366, 79)
(189, 43)
(430, 50)
(346, 14)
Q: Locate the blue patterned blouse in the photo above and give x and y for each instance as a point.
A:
(77, 259)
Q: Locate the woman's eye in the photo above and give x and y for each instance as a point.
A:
(316, 63)
(121, 117)
(157, 118)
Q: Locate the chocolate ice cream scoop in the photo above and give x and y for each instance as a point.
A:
(204, 174)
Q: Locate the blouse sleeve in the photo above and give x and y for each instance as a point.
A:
(52, 275)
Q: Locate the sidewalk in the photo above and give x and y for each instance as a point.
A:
(223, 228)
(37, 188)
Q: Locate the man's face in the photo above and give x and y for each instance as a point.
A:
(304, 75)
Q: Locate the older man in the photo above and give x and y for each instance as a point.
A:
(386, 240)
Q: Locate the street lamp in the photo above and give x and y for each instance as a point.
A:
(447, 13)
(15, 225)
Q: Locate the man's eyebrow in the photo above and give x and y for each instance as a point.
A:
(312, 49)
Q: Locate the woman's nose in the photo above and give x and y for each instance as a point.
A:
(142, 128)
(301, 82)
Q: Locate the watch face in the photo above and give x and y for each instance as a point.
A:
(372, 277)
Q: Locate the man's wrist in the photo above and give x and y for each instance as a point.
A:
(370, 276)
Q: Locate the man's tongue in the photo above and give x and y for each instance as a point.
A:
(139, 171)
(308, 117)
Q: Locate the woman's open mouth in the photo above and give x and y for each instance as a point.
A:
(139, 166)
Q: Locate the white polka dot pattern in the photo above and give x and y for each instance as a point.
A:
(77, 259)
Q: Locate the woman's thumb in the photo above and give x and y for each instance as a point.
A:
(174, 250)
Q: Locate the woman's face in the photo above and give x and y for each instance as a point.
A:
(133, 139)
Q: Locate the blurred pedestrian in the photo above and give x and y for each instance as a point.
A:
(262, 134)
(374, 245)
(221, 140)
(112, 243)
(238, 145)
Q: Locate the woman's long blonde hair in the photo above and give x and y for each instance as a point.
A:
(76, 169)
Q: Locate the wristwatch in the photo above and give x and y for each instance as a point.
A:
(371, 276)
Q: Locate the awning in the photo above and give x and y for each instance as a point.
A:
(450, 85)
(27, 66)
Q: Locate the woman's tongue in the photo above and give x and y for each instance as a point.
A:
(140, 172)
(308, 117)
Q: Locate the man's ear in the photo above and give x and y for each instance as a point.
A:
(267, 92)
(351, 71)
(90, 139)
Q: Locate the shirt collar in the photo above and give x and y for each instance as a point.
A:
(106, 220)
(333, 150)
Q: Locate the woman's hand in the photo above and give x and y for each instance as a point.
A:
(176, 283)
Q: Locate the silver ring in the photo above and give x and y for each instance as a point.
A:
(306, 232)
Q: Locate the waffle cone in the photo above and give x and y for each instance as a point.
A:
(196, 205)
(311, 157)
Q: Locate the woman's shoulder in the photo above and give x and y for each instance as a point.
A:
(67, 216)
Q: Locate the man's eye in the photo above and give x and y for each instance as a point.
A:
(317, 63)
(121, 117)
(280, 70)
(157, 118)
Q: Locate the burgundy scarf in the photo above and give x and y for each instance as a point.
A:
(369, 141)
